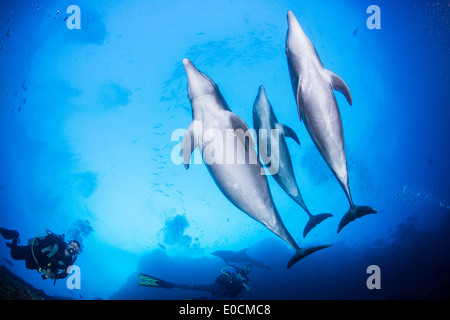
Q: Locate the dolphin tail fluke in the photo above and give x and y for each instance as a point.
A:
(353, 213)
(299, 255)
(314, 220)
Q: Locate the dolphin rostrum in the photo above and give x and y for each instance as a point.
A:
(317, 106)
(241, 182)
(265, 123)
(239, 257)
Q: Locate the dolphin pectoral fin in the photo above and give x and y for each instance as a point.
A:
(314, 221)
(305, 252)
(353, 213)
(289, 132)
(299, 105)
(189, 143)
(339, 85)
(238, 123)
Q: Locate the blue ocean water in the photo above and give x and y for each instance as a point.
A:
(88, 138)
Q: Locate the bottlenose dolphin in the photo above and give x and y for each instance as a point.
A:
(265, 122)
(239, 257)
(317, 106)
(241, 183)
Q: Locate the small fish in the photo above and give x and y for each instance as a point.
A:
(355, 32)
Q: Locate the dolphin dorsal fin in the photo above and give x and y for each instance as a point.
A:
(339, 85)
(189, 143)
(288, 132)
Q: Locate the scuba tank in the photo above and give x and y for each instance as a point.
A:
(49, 252)
(225, 278)
(35, 241)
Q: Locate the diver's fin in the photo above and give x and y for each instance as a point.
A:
(305, 252)
(9, 234)
(339, 85)
(189, 143)
(288, 132)
(150, 281)
(353, 213)
(314, 220)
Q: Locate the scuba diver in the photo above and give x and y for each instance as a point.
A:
(231, 284)
(47, 253)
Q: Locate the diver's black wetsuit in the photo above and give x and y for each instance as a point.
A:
(227, 286)
(44, 253)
